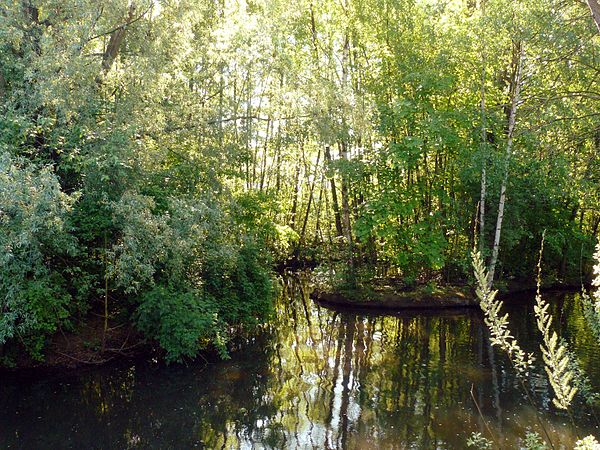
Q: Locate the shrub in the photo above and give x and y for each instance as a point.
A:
(239, 278)
(34, 238)
(195, 270)
(181, 322)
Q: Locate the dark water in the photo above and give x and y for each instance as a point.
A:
(315, 379)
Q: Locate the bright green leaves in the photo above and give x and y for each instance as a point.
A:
(406, 153)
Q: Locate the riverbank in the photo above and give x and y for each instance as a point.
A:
(88, 345)
(447, 297)
(386, 297)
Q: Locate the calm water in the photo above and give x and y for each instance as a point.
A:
(315, 379)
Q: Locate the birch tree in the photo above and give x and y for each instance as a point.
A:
(515, 89)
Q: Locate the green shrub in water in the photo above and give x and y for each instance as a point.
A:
(195, 271)
(181, 322)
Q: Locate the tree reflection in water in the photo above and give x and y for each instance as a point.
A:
(313, 379)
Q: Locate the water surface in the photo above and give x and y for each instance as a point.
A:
(314, 379)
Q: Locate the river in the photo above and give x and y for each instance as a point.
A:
(314, 378)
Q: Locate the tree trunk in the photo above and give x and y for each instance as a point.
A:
(334, 198)
(343, 149)
(264, 159)
(347, 227)
(296, 193)
(310, 198)
(484, 155)
(595, 10)
(248, 129)
(115, 41)
(318, 233)
(515, 91)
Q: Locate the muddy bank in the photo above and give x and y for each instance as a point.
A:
(442, 298)
(446, 298)
(89, 345)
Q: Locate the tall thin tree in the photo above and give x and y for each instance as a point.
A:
(515, 90)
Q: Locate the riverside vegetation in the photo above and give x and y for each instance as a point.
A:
(159, 160)
(562, 369)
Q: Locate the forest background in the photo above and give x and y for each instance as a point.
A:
(159, 159)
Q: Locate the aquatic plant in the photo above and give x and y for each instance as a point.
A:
(496, 322)
(478, 441)
(554, 353)
(557, 360)
(587, 443)
(533, 441)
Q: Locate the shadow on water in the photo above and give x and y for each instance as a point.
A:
(315, 378)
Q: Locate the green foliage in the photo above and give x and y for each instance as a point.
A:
(183, 323)
(146, 241)
(238, 278)
(182, 149)
(498, 322)
(34, 236)
(556, 359)
(412, 248)
(541, 198)
(283, 241)
(44, 305)
(478, 441)
(193, 275)
(554, 353)
(533, 441)
(564, 374)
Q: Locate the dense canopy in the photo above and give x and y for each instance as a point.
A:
(160, 158)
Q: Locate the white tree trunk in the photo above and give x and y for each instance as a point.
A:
(515, 97)
(483, 140)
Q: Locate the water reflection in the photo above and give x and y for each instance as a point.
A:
(314, 379)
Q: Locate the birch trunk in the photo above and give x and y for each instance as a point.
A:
(515, 97)
(483, 194)
(347, 226)
(343, 149)
(345, 198)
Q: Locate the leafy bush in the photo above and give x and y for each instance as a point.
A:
(239, 278)
(47, 302)
(181, 322)
(413, 247)
(143, 245)
(195, 271)
(33, 238)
